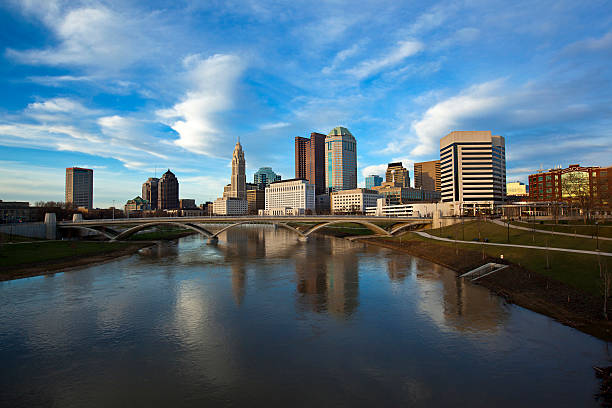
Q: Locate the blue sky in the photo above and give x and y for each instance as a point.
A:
(127, 87)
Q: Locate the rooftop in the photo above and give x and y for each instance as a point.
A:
(339, 130)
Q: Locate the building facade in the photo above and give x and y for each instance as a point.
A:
(295, 193)
(264, 176)
(79, 187)
(256, 200)
(409, 210)
(230, 206)
(589, 185)
(398, 174)
(373, 181)
(168, 192)
(187, 204)
(395, 194)
(150, 192)
(340, 160)
(353, 201)
(517, 189)
(238, 183)
(427, 175)
(473, 171)
(137, 204)
(310, 160)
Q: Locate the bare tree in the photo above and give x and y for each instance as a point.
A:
(575, 189)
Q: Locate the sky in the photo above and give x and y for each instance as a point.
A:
(133, 88)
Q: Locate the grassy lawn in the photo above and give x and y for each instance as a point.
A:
(604, 230)
(497, 233)
(577, 270)
(16, 238)
(22, 254)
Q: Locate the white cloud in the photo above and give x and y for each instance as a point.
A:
(340, 57)
(378, 169)
(212, 82)
(397, 54)
(275, 125)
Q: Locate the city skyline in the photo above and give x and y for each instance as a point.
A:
(93, 85)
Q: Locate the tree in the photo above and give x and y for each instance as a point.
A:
(575, 189)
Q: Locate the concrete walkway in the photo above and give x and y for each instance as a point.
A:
(567, 234)
(576, 251)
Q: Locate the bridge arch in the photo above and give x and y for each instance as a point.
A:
(91, 229)
(131, 231)
(372, 227)
(395, 230)
(302, 235)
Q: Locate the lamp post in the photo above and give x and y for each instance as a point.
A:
(597, 234)
(113, 210)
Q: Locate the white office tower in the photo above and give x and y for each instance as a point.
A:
(473, 167)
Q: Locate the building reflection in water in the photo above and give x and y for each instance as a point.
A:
(327, 274)
(455, 303)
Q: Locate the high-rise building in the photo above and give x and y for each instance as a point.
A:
(256, 200)
(149, 191)
(353, 201)
(238, 189)
(427, 175)
(373, 181)
(168, 192)
(473, 166)
(398, 174)
(79, 187)
(264, 176)
(310, 160)
(340, 160)
(294, 193)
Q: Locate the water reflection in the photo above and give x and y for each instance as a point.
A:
(264, 319)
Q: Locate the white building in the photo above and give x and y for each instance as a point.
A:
(230, 206)
(352, 201)
(284, 211)
(425, 210)
(473, 167)
(294, 193)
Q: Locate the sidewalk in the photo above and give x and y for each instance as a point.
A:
(568, 234)
(576, 251)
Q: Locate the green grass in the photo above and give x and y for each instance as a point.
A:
(498, 234)
(604, 230)
(577, 270)
(13, 255)
(15, 238)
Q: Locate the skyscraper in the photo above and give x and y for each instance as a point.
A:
(310, 160)
(238, 189)
(79, 187)
(149, 191)
(473, 166)
(397, 173)
(264, 176)
(168, 192)
(373, 181)
(427, 175)
(340, 160)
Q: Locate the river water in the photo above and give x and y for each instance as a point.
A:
(264, 319)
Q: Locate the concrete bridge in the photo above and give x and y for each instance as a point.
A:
(108, 228)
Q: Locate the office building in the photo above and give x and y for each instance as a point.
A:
(426, 210)
(427, 175)
(256, 200)
(395, 194)
(517, 189)
(187, 204)
(294, 193)
(473, 167)
(230, 206)
(263, 177)
(310, 160)
(137, 204)
(79, 187)
(353, 201)
(398, 174)
(168, 192)
(589, 185)
(340, 160)
(373, 181)
(238, 183)
(150, 192)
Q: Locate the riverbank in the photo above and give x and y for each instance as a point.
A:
(571, 306)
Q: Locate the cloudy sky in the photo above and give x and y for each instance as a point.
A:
(131, 88)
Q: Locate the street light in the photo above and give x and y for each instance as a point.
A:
(597, 234)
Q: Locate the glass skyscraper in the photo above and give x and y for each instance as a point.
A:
(264, 176)
(340, 160)
(373, 181)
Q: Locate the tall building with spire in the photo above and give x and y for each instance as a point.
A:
(168, 192)
(238, 183)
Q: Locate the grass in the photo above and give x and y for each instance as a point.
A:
(32, 253)
(580, 271)
(604, 230)
(161, 234)
(473, 230)
(15, 238)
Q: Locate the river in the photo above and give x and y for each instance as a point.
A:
(262, 318)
